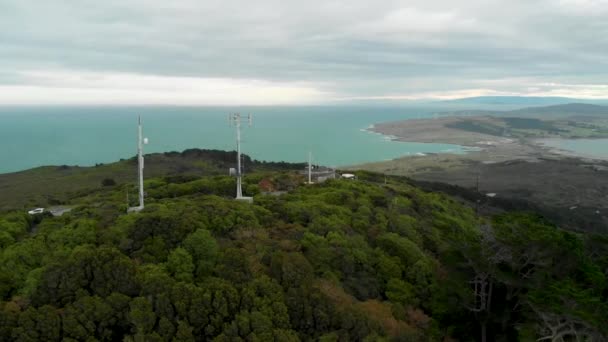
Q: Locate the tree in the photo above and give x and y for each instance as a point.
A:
(9, 315)
(108, 182)
(166, 329)
(184, 333)
(204, 250)
(265, 295)
(398, 291)
(234, 266)
(405, 249)
(141, 316)
(100, 270)
(89, 317)
(179, 265)
(291, 269)
(42, 324)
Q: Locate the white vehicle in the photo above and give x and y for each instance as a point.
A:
(348, 176)
(36, 211)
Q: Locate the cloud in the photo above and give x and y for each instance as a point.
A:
(317, 50)
(93, 88)
(409, 20)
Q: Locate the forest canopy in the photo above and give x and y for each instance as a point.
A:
(343, 260)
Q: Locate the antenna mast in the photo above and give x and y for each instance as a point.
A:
(141, 141)
(140, 149)
(309, 167)
(236, 120)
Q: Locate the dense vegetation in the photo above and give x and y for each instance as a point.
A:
(57, 185)
(339, 261)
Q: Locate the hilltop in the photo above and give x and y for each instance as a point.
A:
(54, 185)
(373, 259)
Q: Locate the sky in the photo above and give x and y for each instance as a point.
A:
(283, 52)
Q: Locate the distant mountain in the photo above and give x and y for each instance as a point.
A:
(562, 110)
(569, 109)
(520, 100)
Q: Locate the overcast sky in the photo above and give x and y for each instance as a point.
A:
(298, 52)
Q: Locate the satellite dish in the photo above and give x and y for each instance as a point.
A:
(145, 141)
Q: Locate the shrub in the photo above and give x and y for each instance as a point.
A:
(108, 182)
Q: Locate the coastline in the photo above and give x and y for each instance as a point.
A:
(477, 147)
(504, 168)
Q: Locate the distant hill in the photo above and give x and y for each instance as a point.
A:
(520, 100)
(555, 111)
(570, 109)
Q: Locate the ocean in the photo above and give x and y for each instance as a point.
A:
(336, 136)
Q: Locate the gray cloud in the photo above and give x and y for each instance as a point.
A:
(343, 49)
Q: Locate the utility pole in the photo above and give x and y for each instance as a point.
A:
(235, 119)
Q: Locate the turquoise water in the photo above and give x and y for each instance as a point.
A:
(594, 148)
(31, 137)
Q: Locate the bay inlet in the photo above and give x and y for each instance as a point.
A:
(588, 148)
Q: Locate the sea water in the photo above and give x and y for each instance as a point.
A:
(336, 136)
(591, 148)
